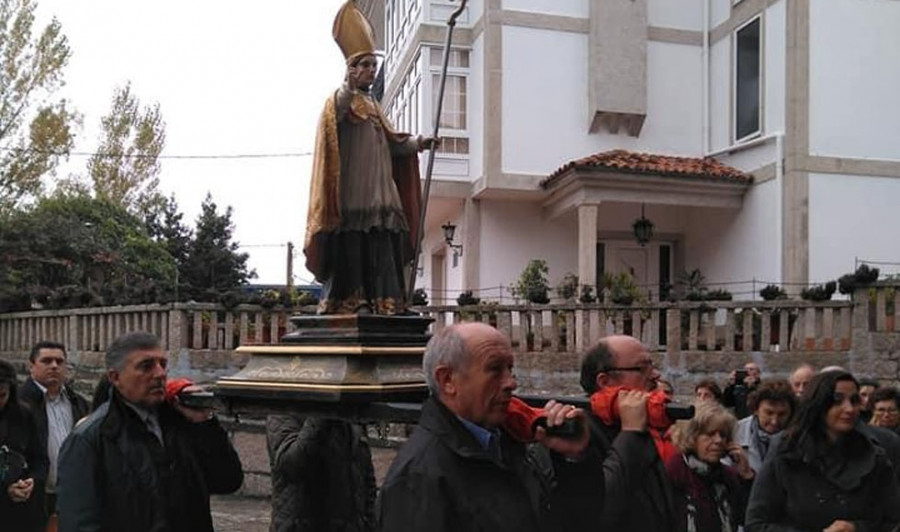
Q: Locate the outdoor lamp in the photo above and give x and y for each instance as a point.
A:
(449, 231)
(643, 229)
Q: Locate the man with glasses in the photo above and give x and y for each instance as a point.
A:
(56, 407)
(886, 409)
(638, 495)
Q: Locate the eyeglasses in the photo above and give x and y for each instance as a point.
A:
(886, 411)
(839, 398)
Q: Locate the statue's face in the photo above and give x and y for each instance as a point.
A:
(367, 67)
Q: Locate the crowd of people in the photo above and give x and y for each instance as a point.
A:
(817, 451)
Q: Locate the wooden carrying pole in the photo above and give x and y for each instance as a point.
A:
(451, 23)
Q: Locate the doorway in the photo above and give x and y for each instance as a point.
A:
(438, 279)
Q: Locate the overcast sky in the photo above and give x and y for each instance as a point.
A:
(231, 78)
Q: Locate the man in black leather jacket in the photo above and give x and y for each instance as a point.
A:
(140, 463)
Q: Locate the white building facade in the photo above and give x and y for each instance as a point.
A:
(796, 94)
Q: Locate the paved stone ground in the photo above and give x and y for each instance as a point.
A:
(247, 514)
(240, 514)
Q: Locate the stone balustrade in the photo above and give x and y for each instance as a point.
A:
(688, 340)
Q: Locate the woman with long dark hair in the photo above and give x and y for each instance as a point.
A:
(23, 461)
(825, 474)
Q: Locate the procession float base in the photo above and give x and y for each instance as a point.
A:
(349, 366)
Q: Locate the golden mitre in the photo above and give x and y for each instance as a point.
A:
(353, 32)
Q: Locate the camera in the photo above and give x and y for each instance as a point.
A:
(676, 411)
(199, 400)
(739, 376)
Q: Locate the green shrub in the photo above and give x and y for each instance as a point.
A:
(533, 285)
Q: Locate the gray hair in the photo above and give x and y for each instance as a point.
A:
(126, 344)
(709, 416)
(446, 348)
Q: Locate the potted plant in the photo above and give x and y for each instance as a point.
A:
(822, 292)
(568, 288)
(466, 299)
(587, 294)
(420, 298)
(863, 276)
(718, 295)
(772, 292)
(533, 285)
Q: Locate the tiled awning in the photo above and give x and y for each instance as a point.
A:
(631, 177)
(623, 161)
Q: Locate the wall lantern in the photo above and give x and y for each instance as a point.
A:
(449, 231)
(643, 229)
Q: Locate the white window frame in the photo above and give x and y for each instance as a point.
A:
(399, 21)
(404, 109)
(734, 82)
(463, 72)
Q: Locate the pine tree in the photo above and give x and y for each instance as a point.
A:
(214, 265)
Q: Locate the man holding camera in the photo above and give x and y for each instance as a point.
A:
(741, 383)
(463, 469)
(637, 493)
(142, 462)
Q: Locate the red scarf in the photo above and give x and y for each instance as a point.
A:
(605, 405)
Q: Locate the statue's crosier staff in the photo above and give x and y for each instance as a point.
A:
(451, 24)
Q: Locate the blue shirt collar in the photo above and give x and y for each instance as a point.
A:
(481, 434)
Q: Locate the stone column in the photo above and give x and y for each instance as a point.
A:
(587, 244)
(587, 260)
(472, 245)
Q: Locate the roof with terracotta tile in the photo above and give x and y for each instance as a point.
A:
(623, 161)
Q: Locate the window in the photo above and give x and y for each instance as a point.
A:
(454, 145)
(400, 18)
(665, 271)
(747, 80)
(601, 265)
(454, 121)
(458, 58)
(403, 110)
(453, 113)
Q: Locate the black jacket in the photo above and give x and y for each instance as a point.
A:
(34, 398)
(443, 480)
(322, 476)
(18, 433)
(795, 490)
(887, 440)
(638, 497)
(114, 475)
(735, 396)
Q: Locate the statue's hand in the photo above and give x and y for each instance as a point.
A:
(429, 143)
(353, 77)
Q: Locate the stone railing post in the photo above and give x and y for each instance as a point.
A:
(860, 318)
(673, 330)
(177, 328)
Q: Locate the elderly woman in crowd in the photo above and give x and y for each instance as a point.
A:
(825, 474)
(23, 462)
(708, 390)
(709, 496)
(885, 408)
(772, 405)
